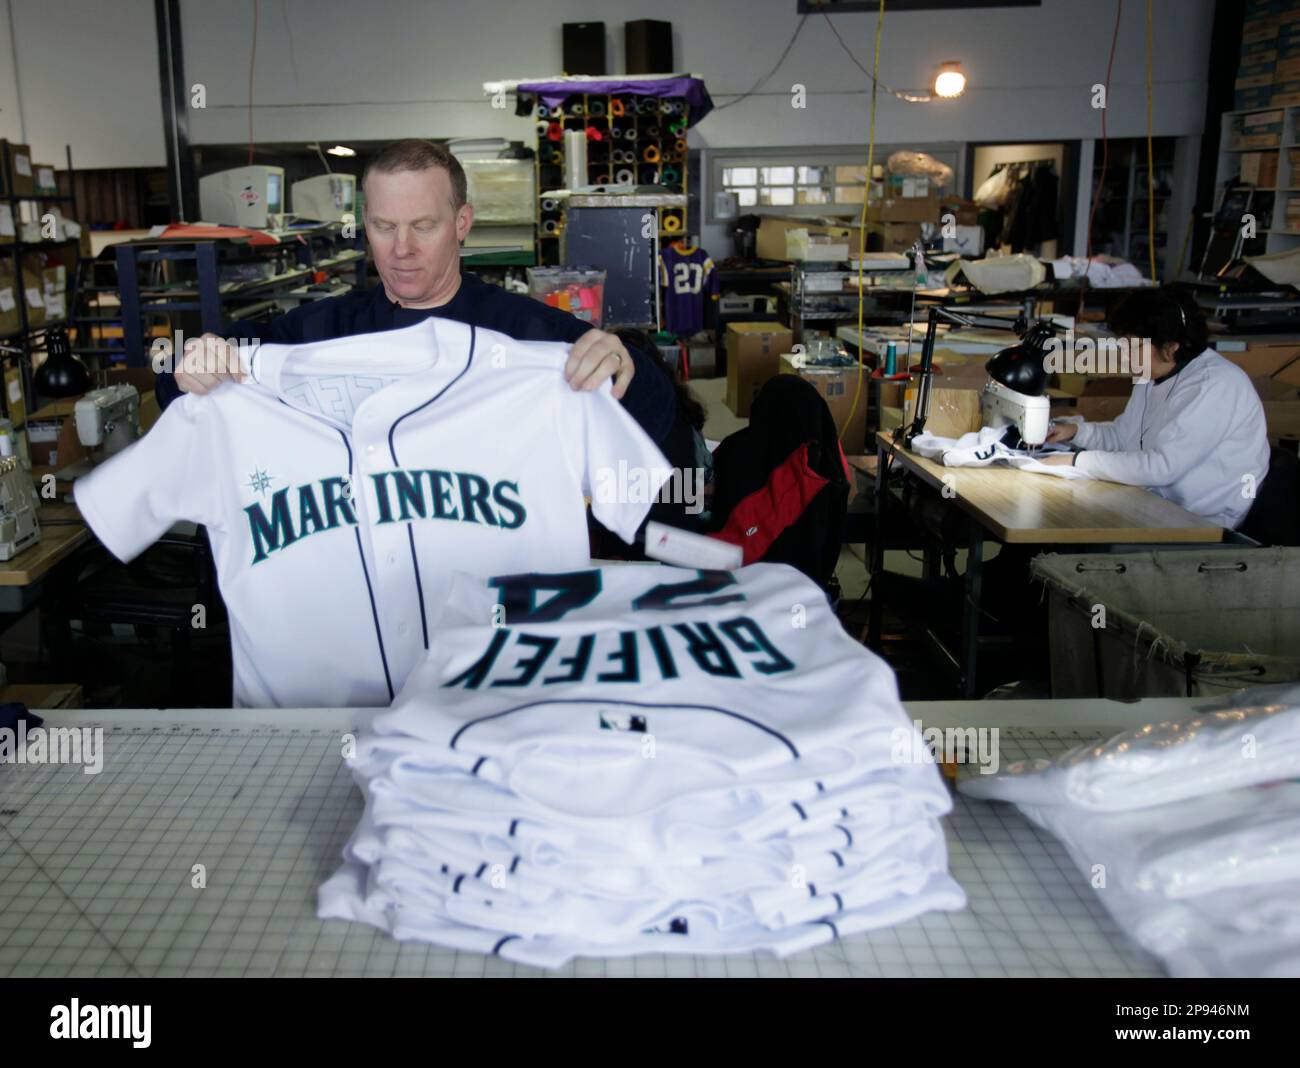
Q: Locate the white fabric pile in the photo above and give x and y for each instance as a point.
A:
(1189, 830)
(643, 759)
(984, 447)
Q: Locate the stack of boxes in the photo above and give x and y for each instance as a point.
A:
(1269, 74)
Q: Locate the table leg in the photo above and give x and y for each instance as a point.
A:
(878, 547)
(970, 616)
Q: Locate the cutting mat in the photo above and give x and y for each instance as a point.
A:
(97, 872)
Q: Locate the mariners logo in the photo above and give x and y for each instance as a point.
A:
(293, 514)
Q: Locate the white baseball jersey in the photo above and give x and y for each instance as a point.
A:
(345, 480)
(641, 758)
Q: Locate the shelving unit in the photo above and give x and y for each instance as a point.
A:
(29, 338)
(652, 128)
(198, 286)
(1120, 228)
(1279, 137)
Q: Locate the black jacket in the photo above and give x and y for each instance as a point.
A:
(649, 398)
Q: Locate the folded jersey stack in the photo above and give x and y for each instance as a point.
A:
(1190, 831)
(640, 758)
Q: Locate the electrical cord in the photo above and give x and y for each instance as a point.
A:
(862, 223)
(1105, 153)
(763, 80)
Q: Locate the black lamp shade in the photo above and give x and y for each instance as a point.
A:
(1019, 367)
(62, 374)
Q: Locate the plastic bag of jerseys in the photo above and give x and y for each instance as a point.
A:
(1190, 831)
(642, 759)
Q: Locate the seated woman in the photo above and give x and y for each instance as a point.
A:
(1194, 433)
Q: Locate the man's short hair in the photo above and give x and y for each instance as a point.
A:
(416, 154)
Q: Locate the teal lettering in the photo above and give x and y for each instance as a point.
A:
(756, 642)
(309, 521)
(513, 506)
(335, 504)
(472, 677)
(442, 507)
(410, 494)
(578, 660)
(381, 496)
(530, 666)
(273, 535)
(473, 494)
(707, 650)
(626, 656)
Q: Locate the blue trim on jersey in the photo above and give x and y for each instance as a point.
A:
(812, 889)
(455, 887)
(514, 824)
(838, 859)
(478, 764)
(834, 930)
(481, 869)
(361, 555)
(496, 950)
(799, 809)
(846, 832)
(392, 449)
(629, 704)
(839, 901)
(514, 864)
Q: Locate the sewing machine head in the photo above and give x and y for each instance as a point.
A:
(1001, 406)
(108, 418)
(1015, 394)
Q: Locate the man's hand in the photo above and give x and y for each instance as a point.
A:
(595, 357)
(206, 364)
(1059, 433)
(1061, 459)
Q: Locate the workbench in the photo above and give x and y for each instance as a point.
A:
(97, 871)
(62, 533)
(1021, 508)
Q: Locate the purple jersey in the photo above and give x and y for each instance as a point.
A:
(686, 276)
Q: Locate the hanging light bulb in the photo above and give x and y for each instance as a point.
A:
(950, 81)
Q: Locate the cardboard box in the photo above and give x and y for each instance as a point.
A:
(837, 387)
(904, 209)
(19, 178)
(1282, 418)
(1244, 99)
(45, 179)
(1265, 359)
(15, 403)
(892, 236)
(953, 412)
(33, 286)
(772, 230)
(1259, 168)
(753, 356)
(10, 316)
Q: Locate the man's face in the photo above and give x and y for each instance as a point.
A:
(414, 233)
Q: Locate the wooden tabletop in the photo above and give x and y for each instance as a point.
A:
(1026, 508)
(62, 531)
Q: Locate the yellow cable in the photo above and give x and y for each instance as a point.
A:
(862, 220)
(1151, 163)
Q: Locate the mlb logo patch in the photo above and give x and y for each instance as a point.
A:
(622, 721)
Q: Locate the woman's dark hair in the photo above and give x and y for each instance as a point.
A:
(1163, 315)
(689, 409)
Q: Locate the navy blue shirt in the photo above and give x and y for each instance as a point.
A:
(649, 399)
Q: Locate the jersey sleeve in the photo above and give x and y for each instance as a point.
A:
(131, 500)
(711, 279)
(618, 464)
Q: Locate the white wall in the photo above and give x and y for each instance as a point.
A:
(335, 69)
(391, 68)
(82, 73)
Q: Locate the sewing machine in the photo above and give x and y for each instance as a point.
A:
(108, 420)
(1002, 406)
(18, 526)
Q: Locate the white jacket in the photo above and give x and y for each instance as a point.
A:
(1193, 438)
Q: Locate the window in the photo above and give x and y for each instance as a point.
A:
(808, 181)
